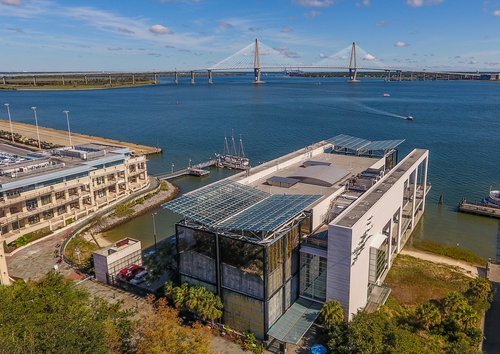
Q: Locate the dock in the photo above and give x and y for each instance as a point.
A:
(25, 135)
(195, 170)
(479, 209)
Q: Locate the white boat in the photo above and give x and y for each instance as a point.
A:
(387, 94)
(493, 199)
(409, 118)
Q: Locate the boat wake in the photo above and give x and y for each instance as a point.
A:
(381, 112)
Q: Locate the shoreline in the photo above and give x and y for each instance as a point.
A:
(57, 88)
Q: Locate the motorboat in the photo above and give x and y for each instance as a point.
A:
(493, 199)
(387, 94)
(409, 117)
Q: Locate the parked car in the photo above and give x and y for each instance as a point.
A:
(130, 272)
(139, 278)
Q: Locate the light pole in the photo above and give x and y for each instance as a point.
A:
(69, 130)
(10, 122)
(173, 168)
(154, 229)
(37, 132)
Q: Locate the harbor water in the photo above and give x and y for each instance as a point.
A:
(458, 121)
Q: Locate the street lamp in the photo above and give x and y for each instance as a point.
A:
(37, 132)
(154, 229)
(69, 130)
(173, 168)
(10, 122)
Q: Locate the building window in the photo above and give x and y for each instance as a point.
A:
(46, 199)
(99, 180)
(48, 214)
(5, 229)
(15, 225)
(100, 193)
(33, 219)
(60, 195)
(313, 277)
(31, 204)
(61, 210)
(378, 262)
(14, 210)
(73, 192)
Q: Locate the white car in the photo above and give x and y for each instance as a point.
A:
(139, 278)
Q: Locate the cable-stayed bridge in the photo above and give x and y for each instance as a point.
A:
(259, 58)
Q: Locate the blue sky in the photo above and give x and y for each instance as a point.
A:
(52, 35)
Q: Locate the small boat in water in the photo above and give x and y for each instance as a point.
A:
(409, 117)
(387, 94)
(493, 199)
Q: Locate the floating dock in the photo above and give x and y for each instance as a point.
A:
(479, 209)
(25, 134)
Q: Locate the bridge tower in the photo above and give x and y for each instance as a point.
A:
(192, 78)
(353, 67)
(176, 78)
(256, 63)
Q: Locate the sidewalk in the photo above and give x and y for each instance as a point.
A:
(469, 270)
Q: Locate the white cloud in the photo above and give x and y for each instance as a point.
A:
(420, 3)
(400, 44)
(315, 3)
(382, 23)
(11, 2)
(287, 29)
(160, 29)
(323, 56)
(496, 13)
(225, 25)
(312, 14)
(369, 57)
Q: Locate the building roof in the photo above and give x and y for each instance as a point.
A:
(361, 145)
(229, 205)
(321, 175)
(292, 326)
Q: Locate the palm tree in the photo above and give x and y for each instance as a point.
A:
(332, 314)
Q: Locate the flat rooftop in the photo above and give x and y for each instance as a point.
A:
(18, 165)
(117, 246)
(374, 194)
(352, 165)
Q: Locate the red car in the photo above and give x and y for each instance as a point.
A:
(130, 272)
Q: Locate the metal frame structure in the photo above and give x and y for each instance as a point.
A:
(362, 147)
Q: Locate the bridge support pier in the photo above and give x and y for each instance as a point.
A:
(400, 76)
(256, 72)
(176, 78)
(155, 79)
(34, 80)
(110, 80)
(133, 79)
(62, 78)
(353, 67)
(424, 76)
(3, 80)
(411, 76)
(192, 78)
(210, 77)
(387, 76)
(86, 80)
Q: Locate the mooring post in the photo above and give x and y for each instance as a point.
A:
(192, 77)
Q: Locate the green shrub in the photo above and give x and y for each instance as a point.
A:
(451, 251)
(123, 210)
(29, 237)
(163, 186)
(70, 221)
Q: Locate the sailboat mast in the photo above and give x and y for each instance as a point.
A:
(233, 143)
(242, 151)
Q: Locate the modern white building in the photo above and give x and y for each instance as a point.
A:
(108, 261)
(321, 223)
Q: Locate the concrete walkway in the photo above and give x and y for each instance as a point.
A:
(469, 270)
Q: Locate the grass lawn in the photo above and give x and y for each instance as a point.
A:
(414, 281)
(86, 249)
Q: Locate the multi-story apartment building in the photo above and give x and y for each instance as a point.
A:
(51, 189)
(321, 223)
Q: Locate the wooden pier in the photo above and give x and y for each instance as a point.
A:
(479, 209)
(195, 170)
